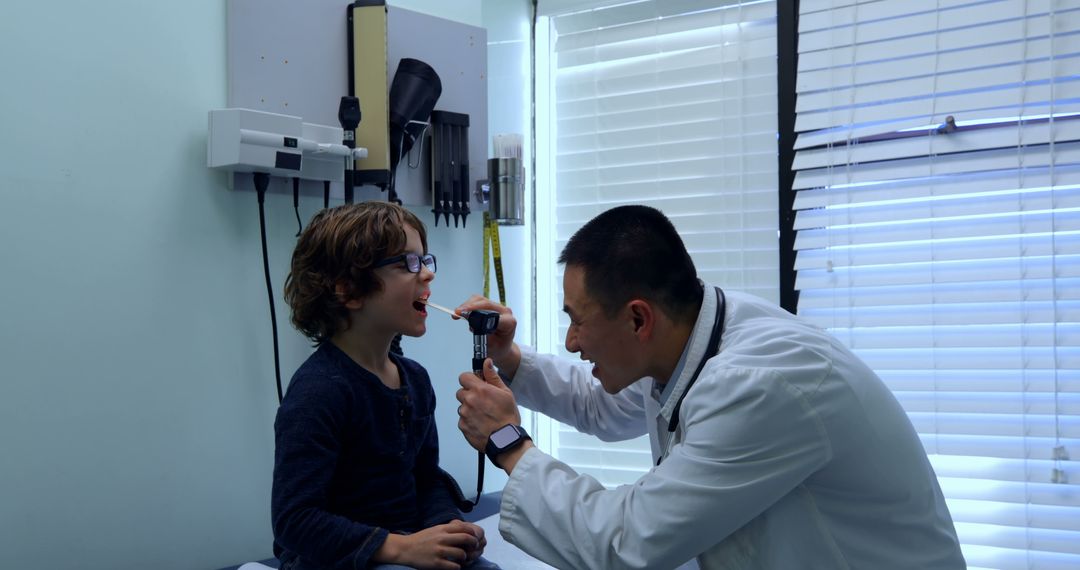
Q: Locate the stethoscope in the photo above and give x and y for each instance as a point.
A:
(711, 350)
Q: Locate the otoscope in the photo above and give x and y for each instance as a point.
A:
(349, 117)
(481, 323)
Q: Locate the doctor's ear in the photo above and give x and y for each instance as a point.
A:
(643, 318)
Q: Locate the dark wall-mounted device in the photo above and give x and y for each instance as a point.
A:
(450, 166)
(413, 94)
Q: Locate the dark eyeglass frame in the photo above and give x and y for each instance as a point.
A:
(412, 261)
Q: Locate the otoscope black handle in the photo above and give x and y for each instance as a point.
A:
(349, 117)
(479, 354)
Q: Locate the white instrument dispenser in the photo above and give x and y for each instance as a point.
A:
(506, 181)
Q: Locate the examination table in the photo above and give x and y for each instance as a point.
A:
(486, 514)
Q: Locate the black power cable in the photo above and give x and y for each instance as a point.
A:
(262, 181)
(325, 194)
(296, 204)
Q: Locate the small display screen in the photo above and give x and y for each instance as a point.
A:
(503, 437)
(287, 161)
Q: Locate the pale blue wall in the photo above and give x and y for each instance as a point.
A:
(136, 396)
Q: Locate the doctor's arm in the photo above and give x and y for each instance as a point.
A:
(568, 392)
(559, 388)
(741, 453)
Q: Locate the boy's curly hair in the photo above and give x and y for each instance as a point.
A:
(338, 248)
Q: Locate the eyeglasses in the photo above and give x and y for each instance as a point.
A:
(412, 261)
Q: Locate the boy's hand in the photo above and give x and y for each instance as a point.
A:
(500, 344)
(441, 547)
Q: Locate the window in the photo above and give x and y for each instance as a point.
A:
(938, 220)
(670, 104)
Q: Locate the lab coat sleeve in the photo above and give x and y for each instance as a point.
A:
(748, 442)
(567, 392)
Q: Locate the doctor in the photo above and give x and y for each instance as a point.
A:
(774, 446)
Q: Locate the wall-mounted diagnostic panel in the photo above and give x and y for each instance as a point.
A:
(298, 59)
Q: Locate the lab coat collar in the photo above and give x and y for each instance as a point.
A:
(695, 352)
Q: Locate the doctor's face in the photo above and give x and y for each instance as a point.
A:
(609, 343)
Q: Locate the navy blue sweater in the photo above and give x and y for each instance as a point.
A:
(354, 460)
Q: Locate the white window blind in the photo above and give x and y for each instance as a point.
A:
(670, 104)
(949, 259)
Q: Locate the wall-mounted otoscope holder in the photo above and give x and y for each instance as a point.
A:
(246, 140)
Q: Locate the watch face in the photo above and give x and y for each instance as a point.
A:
(504, 436)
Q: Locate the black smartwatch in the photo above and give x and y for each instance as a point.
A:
(504, 439)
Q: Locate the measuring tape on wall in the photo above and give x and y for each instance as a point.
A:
(491, 236)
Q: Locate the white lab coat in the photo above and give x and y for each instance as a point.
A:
(790, 453)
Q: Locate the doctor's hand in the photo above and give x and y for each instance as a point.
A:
(486, 405)
(500, 344)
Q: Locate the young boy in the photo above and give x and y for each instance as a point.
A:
(357, 482)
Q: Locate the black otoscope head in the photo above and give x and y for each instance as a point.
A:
(483, 322)
(348, 113)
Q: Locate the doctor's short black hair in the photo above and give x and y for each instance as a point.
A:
(634, 252)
